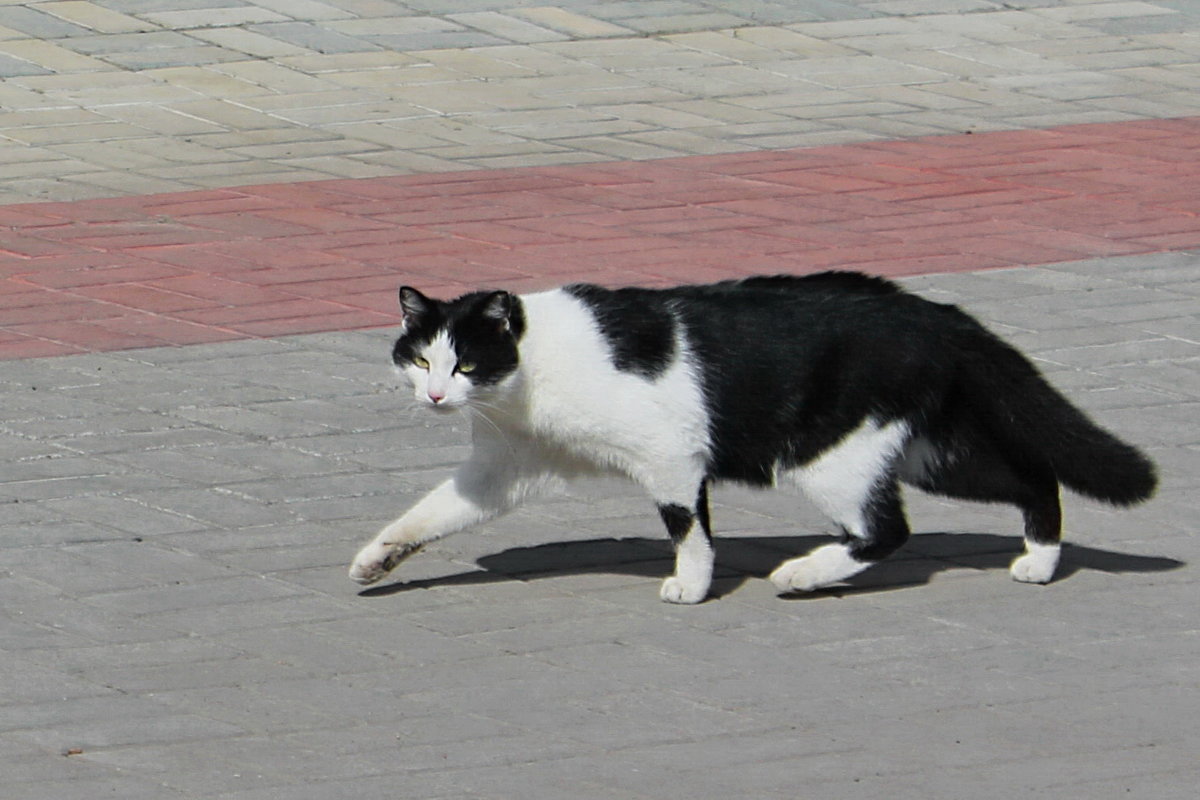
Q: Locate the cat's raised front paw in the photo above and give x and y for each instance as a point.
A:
(676, 590)
(376, 560)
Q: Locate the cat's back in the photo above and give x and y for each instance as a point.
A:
(639, 308)
(822, 307)
(643, 330)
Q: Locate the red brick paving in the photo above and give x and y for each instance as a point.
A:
(262, 261)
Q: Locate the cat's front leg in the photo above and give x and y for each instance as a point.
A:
(694, 556)
(478, 492)
(383, 554)
(693, 572)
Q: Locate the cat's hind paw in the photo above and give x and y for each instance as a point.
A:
(822, 567)
(376, 560)
(677, 590)
(1037, 565)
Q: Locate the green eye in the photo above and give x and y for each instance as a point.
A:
(466, 366)
(421, 362)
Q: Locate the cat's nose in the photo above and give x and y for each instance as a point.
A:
(436, 397)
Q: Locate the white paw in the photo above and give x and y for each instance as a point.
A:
(821, 567)
(676, 590)
(376, 560)
(1037, 565)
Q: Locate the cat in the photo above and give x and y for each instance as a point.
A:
(839, 382)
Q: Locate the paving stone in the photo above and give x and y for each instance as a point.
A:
(508, 27)
(11, 67)
(312, 37)
(95, 17)
(569, 23)
(38, 24)
(248, 42)
(212, 17)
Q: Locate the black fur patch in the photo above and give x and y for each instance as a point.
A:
(791, 364)
(677, 519)
(636, 323)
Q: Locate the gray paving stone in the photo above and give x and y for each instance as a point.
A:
(172, 57)
(81, 789)
(13, 67)
(131, 42)
(313, 37)
(39, 24)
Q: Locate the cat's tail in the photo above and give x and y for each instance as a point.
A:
(1035, 421)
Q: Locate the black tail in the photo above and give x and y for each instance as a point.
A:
(1034, 421)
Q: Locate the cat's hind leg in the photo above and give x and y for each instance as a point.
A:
(867, 539)
(853, 482)
(1043, 534)
(979, 470)
(691, 534)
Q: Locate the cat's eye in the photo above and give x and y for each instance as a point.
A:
(421, 362)
(465, 366)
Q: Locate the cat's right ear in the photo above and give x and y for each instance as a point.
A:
(413, 305)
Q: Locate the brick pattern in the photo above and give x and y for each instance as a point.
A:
(127, 97)
(277, 259)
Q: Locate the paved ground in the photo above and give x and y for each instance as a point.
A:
(176, 520)
(137, 96)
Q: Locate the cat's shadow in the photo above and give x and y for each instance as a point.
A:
(740, 559)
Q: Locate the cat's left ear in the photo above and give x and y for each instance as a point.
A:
(498, 307)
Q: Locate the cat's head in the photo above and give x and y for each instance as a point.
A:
(454, 351)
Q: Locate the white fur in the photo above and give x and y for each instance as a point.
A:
(825, 565)
(839, 482)
(841, 479)
(566, 411)
(1038, 563)
(576, 398)
(694, 559)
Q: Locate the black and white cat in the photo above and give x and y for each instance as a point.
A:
(838, 382)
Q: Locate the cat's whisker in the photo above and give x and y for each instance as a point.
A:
(477, 414)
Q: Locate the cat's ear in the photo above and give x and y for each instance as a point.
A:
(413, 305)
(498, 308)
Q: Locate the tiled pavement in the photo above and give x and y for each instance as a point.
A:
(175, 522)
(119, 97)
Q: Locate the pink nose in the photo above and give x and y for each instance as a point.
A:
(437, 397)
